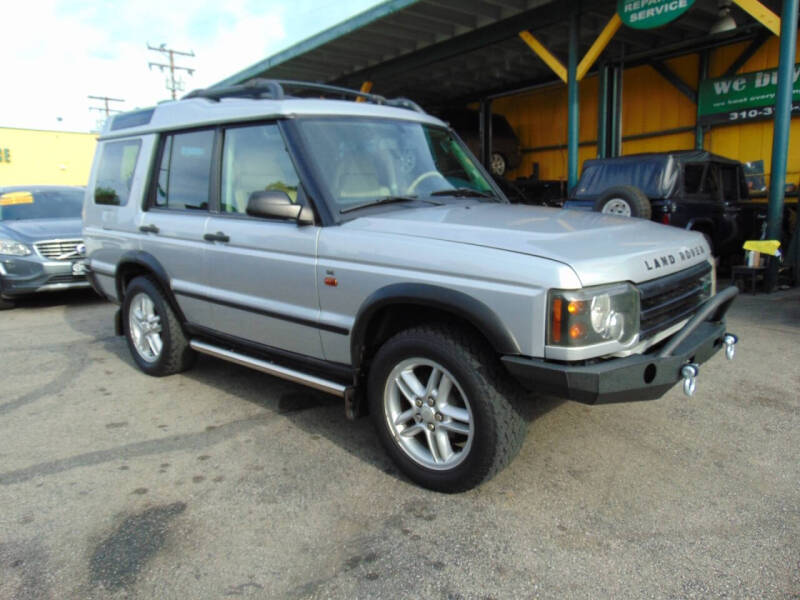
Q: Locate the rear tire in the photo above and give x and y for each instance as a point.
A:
(447, 432)
(154, 335)
(624, 201)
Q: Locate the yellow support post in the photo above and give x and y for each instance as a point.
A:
(543, 53)
(365, 89)
(762, 14)
(600, 44)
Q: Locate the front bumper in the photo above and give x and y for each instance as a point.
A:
(638, 377)
(22, 275)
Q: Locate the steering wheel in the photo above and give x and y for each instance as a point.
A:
(414, 184)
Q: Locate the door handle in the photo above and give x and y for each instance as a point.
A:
(216, 237)
(149, 229)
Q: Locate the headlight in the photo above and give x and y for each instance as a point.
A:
(12, 248)
(593, 316)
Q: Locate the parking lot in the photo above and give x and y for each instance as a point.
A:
(223, 482)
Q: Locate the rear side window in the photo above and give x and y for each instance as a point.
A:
(730, 182)
(185, 170)
(692, 177)
(115, 172)
(701, 178)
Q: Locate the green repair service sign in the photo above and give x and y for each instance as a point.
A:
(649, 14)
(745, 97)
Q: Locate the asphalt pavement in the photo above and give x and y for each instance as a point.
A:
(223, 482)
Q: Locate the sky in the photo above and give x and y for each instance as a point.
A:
(58, 52)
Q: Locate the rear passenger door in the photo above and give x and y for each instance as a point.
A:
(262, 272)
(172, 227)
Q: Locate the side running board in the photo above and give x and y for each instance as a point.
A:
(269, 368)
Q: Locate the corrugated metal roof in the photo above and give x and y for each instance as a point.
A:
(440, 51)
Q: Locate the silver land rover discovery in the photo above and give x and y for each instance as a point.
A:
(360, 249)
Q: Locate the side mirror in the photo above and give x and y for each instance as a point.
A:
(275, 204)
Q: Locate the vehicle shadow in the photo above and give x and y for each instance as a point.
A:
(66, 298)
(313, 412)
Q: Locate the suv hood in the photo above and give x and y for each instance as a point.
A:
(599, 248)
(29, 231)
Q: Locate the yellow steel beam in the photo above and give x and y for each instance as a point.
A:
(599, 45)
(365, 89)
(762, 14)
(543, 53)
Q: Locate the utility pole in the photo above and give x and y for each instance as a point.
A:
(105, 108)
(173, 84)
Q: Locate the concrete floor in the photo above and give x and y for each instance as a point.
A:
(223, 482)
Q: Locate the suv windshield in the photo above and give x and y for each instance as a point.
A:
(41, 204)
(366, 161)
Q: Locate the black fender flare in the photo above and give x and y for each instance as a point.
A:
(706, 226)
(149, 263)
(458, 303)
(695, 221)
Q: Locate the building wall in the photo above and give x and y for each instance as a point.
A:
(649, 104)
(34, 157)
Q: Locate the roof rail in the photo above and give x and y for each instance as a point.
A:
(275, 89)
(256, 88)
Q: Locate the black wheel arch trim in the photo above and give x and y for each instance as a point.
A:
(149, 263)
(458, 303)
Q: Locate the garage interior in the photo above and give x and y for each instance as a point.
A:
(571, 79)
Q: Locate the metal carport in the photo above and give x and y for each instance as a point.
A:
(452, 52)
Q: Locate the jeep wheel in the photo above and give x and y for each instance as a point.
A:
(443, 408)
(624, 201)
(6, 304)
(154, 335)
(498, 164)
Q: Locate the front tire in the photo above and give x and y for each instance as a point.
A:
(444, 408)
(6, 304)
(154, 335)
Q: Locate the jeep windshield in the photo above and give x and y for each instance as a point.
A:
(21, 204)
(369, 162)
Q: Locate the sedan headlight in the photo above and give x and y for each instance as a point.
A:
(12, 248)
(593, 316)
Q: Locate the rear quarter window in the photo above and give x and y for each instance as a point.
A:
(115, 172)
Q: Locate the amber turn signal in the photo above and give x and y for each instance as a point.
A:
(576, 307)
(577, 331)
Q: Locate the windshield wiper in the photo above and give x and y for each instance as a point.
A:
(378, 202)
(463, 192)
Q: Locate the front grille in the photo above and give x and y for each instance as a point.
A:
(671, 299)
(58, 249)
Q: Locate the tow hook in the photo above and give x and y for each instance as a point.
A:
(689, 373)
(730, 341)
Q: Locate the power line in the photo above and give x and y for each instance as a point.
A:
(105, 108)
(173, 84)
